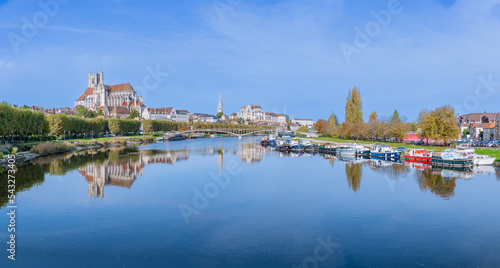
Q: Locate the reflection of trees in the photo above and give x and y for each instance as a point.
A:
(434, 182)
(354, 172)
(498, 174)
(26, 177)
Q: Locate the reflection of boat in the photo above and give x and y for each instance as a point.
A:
(347, 158)
(478, 159)
(383, 151)
(419, 165)
(484, 169)
(381, 163)
(453, 173)
(264, 141)
(418, 155)
(451, 158)
(346, 150)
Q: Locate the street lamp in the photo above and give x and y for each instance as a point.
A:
(64, 137)
(40, 136)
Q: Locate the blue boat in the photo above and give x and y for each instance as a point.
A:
(383, 151)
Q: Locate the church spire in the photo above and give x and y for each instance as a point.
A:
(220, 108)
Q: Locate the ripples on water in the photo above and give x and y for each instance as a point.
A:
(232, 203)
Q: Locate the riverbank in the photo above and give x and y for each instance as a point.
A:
(76, 146)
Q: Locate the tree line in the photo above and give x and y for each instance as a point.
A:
(160, 125)
(437, 124)
(25, 123)
(22, 122)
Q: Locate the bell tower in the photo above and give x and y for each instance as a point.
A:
(96, 82)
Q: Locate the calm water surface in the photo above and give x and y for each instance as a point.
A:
(232, 203)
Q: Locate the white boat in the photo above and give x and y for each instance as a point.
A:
(308, 146)
(451, 158)
(478, 159)
(346, 150)
(361, 150)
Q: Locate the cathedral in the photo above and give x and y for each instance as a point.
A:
(112, 100)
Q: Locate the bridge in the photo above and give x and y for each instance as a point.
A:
(234, 132)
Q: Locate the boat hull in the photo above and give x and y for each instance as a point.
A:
(438, 161)
(385, 155)
(177, 138)
(346, 152)
(483, 161)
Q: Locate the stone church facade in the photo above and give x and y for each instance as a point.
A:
(99, 96)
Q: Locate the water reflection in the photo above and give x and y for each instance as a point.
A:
(432, 180)
(121, 167)
(354, 172)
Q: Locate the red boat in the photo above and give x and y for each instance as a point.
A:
(419, 156)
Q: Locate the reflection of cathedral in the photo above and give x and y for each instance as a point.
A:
(121, 174)
(251, 152)
(124, 171)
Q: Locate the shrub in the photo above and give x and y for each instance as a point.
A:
(92, 142)
(118, 141)
(1, 155)
(146, 138)
(46, 148)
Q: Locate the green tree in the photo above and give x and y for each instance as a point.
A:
(100, 113)
(354, 107)
(6, 117)
(133, 114)
(81, 111)
(331, 129)
(396, 126)
(303, 129)
(439, 124)
(220, 114)
(466, 132)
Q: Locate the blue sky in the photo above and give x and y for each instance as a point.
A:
(283, 55)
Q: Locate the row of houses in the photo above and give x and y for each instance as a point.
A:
(62, 110)
(482, 126)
